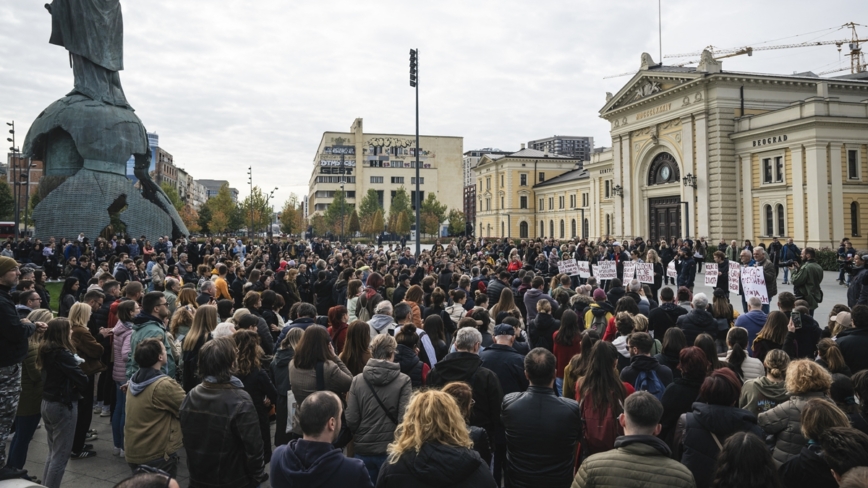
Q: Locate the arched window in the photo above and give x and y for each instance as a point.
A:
(542, 229)
(663, 170)
(770, 221)
(854, 218)
(562, 228)
(573, 227)
(585, 227)
(782, 223)
(551, 228)
(522, 230)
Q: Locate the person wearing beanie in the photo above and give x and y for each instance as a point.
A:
(601, 310)
(15, 333)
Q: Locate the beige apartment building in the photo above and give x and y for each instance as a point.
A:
(699, 151)
(357, 161)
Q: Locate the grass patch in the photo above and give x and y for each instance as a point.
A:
(54, 289)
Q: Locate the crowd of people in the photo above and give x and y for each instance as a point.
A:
(476, 363)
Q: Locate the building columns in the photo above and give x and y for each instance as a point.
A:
(701, 172)
(744, 165)
(626, 187)
(617, 163)
(836, 190)
(799, 218)
(817, 194)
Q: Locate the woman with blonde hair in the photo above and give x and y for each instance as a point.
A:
(805, 380)
(187, 298)
(506, 304)
(204, 323)
(433, 434)
(181, 322)
(640, 324)
(87, 348)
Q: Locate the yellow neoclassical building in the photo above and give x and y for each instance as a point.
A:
(699, 151)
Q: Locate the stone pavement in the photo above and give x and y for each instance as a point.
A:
(105, 470)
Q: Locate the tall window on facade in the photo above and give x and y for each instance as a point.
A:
(551, 203)
(488, 183)
(562, 229)
(542, 177)
(541, 204)
(542, 229)
(552, 228)
(501, 181)
(522, 230)
(769, 221)
(584, 199)
(782, 223)
(608, 225)
(501, 203)
(585, 227)
(502, 229)
(522, 202)
(852, 164)
(573, 228)
(572, 201)
(561, 202)
(487, 204)
(522, 179)
(767, 170)
(779, 169)
(854, 218)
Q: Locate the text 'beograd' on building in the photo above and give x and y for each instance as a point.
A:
(358, 162)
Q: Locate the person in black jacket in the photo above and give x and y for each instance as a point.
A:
(401, 290)
(496, 285)
(14, 334)
(666, 315)
(219, 424)
(62, 388)
(854, 342)
(280, 373)
(465, 365)
(541, 328)
(407, 355)
(808, 469)
(640, 345)
(323, 288)
(698, 320)
(256, 383)
(679, 396)
(542, 430)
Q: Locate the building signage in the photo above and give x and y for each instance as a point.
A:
(653, 111)
(337, 162)
(329, 170)
(769, 140)
(347, 150)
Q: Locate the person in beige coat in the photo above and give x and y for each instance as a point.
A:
(805, 380)
(315, 348)
(376, 403)
(639, 458)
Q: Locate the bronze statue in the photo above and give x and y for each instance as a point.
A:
(86, 138)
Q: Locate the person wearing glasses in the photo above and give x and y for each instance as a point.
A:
(151, 322)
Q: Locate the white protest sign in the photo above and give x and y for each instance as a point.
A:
(670, 270)
(606, 270)
(645, 273)
(584, 269)
(754, 284)
(629, 271)
(568, 267)
(734, 276)
(711, 274)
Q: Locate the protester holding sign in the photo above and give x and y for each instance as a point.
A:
(722, 271)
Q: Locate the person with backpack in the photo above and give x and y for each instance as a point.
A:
(599, 313)
(601, 394)
(644, 372)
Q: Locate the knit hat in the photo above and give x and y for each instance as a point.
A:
(7, 264)
(599, 295)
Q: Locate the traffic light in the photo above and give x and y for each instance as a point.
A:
(412, 67)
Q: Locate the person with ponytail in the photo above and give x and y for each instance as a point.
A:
(407, 356)
(764, 393)
(746, 367)
(830, 357)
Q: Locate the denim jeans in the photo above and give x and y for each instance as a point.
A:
(59, 420)
(786, 275)
(25, 426)
(373, 464)
(559, 386)
(119, 416)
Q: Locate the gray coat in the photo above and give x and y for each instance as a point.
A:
(372, 429)
(784, 422)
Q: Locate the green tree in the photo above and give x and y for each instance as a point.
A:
(291, 216)
(222, 209)
(204, 218)
(7, 201)
(400, 206)
(354, 223)
(368, 208)
(255, 208)
(172, 193)
(457, 222)
(336, 210)
(432, 214)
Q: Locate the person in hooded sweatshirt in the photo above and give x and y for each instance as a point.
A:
(152, 429)
(534, 295)
(312, 461)
(382, 321)
(432, 448)
(700, 434)
(465, 365)
(640, 458)
(766, 392)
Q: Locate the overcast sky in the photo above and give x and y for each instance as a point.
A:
(230, 84)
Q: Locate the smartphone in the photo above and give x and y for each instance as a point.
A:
(796, 317)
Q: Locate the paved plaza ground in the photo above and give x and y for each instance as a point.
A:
(105, 470)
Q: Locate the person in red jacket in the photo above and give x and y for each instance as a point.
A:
(338, 317)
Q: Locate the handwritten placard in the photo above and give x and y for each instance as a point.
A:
(734, 276)
(645, 273)
(711, 274)
(568, 267)
(584, 269)
(629, 271)
(670, 270)
(606, 270)
(754, 284)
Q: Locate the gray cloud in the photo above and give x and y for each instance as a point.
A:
(234, 84)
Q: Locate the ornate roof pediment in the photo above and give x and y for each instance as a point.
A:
(646, 84)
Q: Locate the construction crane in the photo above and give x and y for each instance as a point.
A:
(857, 57)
